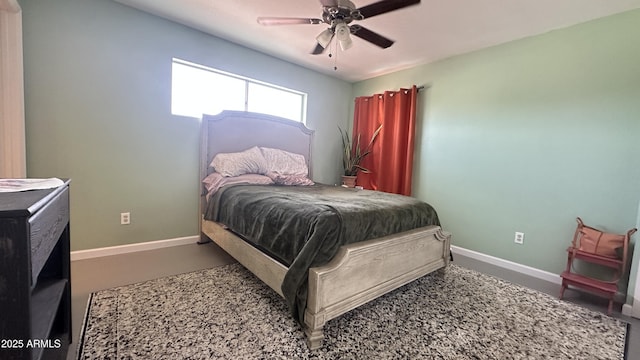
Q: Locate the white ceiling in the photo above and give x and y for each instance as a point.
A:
(430, 31)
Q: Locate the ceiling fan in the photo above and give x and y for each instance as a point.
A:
(338, 14)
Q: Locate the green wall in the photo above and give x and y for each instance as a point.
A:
(97, 97)
(529, 135)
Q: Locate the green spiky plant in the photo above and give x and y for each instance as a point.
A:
(352, 155)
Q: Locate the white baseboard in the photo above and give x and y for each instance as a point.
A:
(627, 309)
(131, 248)
(524, 269)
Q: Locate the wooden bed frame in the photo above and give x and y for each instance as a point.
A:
(359, 273)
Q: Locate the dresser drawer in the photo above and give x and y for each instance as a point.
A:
(46, 226)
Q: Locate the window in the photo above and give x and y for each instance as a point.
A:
(197, 90)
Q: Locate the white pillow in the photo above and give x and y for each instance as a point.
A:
(284, 162)
(250, 161)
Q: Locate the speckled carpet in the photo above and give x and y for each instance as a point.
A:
(227, 313)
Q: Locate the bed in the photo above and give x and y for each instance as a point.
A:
(356, 272)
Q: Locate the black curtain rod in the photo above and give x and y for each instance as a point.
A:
(419, 88)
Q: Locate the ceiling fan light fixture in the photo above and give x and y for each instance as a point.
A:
(342, 31)
(343, 35)
(345, 44)
(325, 38)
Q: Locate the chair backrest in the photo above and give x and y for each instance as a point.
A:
(592, 240)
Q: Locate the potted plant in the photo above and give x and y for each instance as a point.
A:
(353, 154)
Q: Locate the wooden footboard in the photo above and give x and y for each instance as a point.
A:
(359, 273)
(363, 271)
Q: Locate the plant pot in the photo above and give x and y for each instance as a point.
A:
(349, 181)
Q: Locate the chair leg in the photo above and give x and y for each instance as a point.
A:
(562, 290)
(610, 306)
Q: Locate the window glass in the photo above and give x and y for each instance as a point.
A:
(198, 90)
(269, 100)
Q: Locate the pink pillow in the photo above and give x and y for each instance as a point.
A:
(215, 181)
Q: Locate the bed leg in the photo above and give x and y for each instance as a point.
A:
(314, 337)
(313, 330)
(203, 240)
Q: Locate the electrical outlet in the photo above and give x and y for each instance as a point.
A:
(125, 218)
(519, 239)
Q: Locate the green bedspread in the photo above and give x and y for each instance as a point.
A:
(304, 226)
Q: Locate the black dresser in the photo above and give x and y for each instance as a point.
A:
(35, 283)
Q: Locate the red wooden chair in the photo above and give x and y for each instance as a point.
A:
(598, 247)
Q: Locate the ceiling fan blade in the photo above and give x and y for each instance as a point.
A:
(371, 36)
(385, 6)
(317, 50)
(287, 21)
(325, 38)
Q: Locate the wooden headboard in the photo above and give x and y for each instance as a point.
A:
(234, 131)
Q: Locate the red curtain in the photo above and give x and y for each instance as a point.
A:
(391, 160)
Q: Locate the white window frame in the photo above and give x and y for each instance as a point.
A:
(247, 82)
